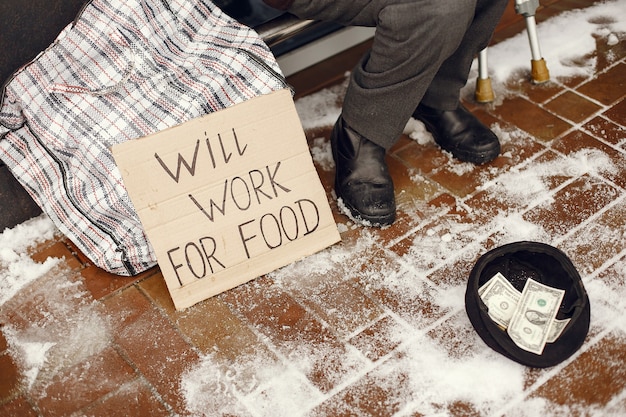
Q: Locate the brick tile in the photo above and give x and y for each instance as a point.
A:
(101, 283)
(212, 328)
(84, 383)
(521, 84)
(156, 288)
(413, 300)
(572, 106)
(18, 407)
(608, 87)
(82, 258)
(428, 247)
(61, 251)
(370, 395)
(613, 276)
(37, 304)
(421, 158)
(565, 5)
(577, 141)
(540, 93)
(410, 190)
(505, 196)
(126, 307)
(457, 337)
(576, 389)
(342, 305)
(379, 339)
(572, 205)
(465, 409)
(461, 178)
(617, 114)
(3, 341)
(9, 377)
(536, 121)
(516, 147)
(607, 55)
(454, 274)
(152, 344)
(445, 201)
(408, 216)
(414, 188)
(390, 389)
(132, 399)
(616, 407)
(43, 246)
(209, 325)
(285, 324)
(598, 241)
(601, 128)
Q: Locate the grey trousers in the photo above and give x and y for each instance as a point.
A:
(422, 52)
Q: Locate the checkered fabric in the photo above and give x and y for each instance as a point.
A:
(123, 70)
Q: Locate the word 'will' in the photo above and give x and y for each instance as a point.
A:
(229, 147)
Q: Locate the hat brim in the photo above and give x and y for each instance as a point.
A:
(545, 264)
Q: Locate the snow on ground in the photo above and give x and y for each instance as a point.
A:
(71, 328)
(17, 269)
(568, 42)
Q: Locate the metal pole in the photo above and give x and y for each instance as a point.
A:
(484, 91)
(539, 69)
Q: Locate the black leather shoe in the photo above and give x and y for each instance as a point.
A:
(460, 133)
(362, 180)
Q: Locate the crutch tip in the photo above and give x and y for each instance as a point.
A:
(484, 91)
(539, 71)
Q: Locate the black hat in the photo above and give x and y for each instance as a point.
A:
(543, 263)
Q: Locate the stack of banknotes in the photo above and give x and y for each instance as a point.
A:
(528, 317)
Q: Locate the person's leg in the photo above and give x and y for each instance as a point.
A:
(443, 92)
(412, 40)
(454, 128)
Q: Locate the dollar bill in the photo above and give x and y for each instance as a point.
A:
(486, 285)
(536, 310)
(501, 299)
(556, 329)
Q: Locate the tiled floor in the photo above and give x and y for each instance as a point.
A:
(375, 325)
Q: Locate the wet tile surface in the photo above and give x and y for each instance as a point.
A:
(375, 325)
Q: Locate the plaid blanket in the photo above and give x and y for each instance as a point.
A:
(124, 69)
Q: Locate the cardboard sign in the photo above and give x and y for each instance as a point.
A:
(228, 197)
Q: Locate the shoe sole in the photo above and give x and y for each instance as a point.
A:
(474, 158)
(373, 221)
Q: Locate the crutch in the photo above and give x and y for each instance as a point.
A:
(539, 70)
(484, 90)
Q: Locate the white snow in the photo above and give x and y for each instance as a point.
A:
(71, 326)
(17, 269)
(567, 42)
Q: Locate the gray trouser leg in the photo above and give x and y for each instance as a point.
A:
(421, 49)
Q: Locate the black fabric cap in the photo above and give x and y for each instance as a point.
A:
(545, 264)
